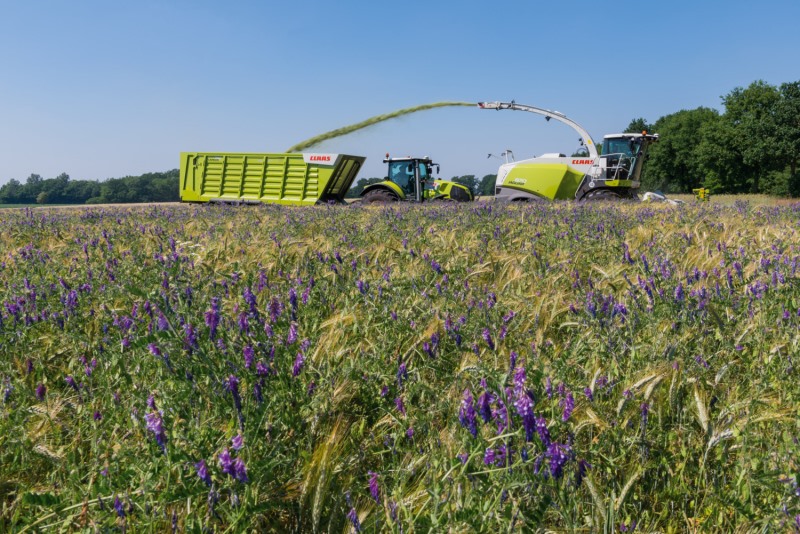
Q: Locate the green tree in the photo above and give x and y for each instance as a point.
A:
(674, 163)
(638, 126)
(468, 180)
(486, 187)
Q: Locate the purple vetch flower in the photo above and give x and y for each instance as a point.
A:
(155, 424)
(467, 415)
(29, 365)
(524, 406)
(275, 309)
(463, 457)
(701, 361)
(233, 387)
(519, 379)
(487, 337)
(257, 394)
(202, 472)
(119, 506)
(569, 405)
(41, 391)
(240, 471)
(249, 354)
(410, 432)
(402, 374)
(374, 490)
(237, 442)
(679, 294)
(557, 455)
(512, 362)
(548, 387)
(500, 413)
(362, 286)
(484, 406)
(291, 337)
(541, 429)
(589, 394)
(71, 382)
(97, 415)
(489, 456)
(645, 410)
(352, 516)
(226, 462)
(398, 402)
(298, 364)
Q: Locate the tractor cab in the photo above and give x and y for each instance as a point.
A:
(414, 176)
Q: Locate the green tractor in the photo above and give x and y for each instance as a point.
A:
(411, 179)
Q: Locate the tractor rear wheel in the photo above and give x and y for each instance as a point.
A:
(379, 195)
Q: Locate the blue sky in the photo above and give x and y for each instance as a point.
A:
(106, 89)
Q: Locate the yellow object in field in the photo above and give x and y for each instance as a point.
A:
(702, 194)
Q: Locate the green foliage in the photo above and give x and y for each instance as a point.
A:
(674, 164)
(356, 189)
(149, 187)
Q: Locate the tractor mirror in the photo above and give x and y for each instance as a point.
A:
(410, 168)
(437, 169)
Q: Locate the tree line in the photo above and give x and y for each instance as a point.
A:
(148, 187)
(752, 147)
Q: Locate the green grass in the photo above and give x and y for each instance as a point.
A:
(653, 376)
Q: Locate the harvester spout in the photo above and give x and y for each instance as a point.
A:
(585, 137)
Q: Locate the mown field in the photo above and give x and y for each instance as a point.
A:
(461, 368)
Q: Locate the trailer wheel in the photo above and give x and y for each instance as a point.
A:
(379, 195)
(602, 195)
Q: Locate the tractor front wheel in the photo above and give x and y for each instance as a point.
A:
(379, 195)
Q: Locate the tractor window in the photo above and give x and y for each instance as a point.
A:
(402, 173)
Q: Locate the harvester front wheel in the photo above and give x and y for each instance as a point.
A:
(379, 195)
(602, 195)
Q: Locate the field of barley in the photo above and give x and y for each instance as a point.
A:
(448, 368)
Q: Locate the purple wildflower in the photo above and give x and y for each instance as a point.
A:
(71, 382)
(524, 406)
(487, 337)
(226, 462)
(237, 442)
(119, 506)
(298, 364)
(374, 490)
(240, 471)
(202, 472)
(569, 406)
(402, 374)
(541, 429)
(558, 455)
(484, 407)
(589, 394)
(155, 424)
(466, 414)
(97, 415)
(398, 402)
(292, 336)
(353, 517)
(41, 391)
(249, 353)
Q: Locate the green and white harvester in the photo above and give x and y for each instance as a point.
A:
(613, 174)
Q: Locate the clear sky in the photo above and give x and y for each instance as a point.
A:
(101, 89)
